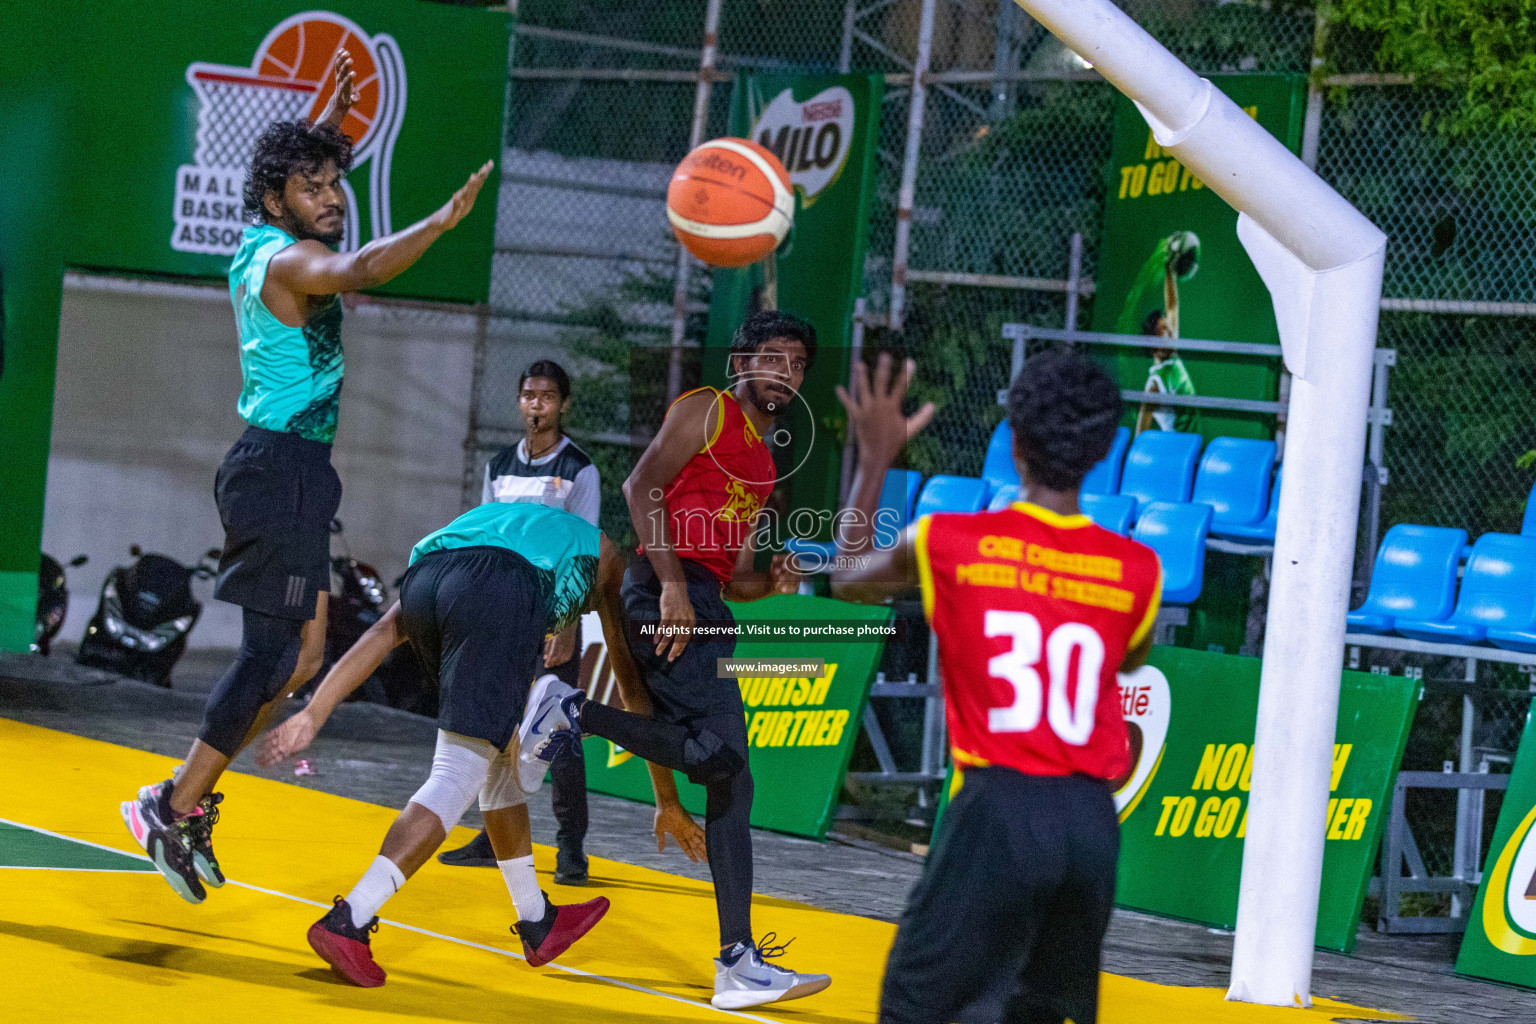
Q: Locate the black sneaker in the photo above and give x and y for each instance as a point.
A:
(166, 840)
(200, 832)
(570, 866)
(476, 853)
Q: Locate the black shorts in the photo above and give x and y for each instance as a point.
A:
(277, 494)
(689, 687)
(475, 617)
(1007, 923)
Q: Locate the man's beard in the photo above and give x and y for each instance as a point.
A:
(328, 237)
(772, 404)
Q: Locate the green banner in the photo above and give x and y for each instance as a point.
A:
(1170, 245)
(1183, 808)
(800, 731)
(825, 129)
(128, 158)
(1500, 943)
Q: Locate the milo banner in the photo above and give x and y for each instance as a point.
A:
(800, 729)
(1500, 942)
(824, 129)
(1170, 265)
(1184, 805)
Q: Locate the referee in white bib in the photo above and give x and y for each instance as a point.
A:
(547, 468)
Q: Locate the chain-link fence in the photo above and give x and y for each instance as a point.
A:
(1012, 162)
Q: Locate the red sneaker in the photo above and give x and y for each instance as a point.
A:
(558, 931)
(344, 946)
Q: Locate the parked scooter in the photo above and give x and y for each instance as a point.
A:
(52, 601)
(358, 599)
(145, 613)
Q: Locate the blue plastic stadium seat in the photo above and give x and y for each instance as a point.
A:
(1261, 532)
(1003, 497)
(1160, 466)
(1414, 578)
(898, 495)
(1111, 511)
(1528, 526)
(1104, 478)
(944, 493)
(1176, 531)
(1498, 592)
(997, 468)
(1234, 480)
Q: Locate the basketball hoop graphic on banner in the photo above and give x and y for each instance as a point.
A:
(290, 77)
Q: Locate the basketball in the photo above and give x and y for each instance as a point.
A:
(730, 202)
(301, 50)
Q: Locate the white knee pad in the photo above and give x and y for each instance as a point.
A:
(460, 766)
(502, 788)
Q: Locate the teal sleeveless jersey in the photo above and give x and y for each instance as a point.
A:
(561, 545)
(292, 375)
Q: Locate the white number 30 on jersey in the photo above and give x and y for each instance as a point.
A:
(1071, 720)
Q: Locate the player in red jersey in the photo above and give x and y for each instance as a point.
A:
(694, 498)
(1036, 609)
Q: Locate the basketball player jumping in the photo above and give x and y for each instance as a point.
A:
(1036, 609)
(694, 498)
(276, 490)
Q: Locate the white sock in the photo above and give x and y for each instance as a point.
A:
(381, 881)
(523, 884)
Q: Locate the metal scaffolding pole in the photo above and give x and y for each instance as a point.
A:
(908, 194)
(695, 136)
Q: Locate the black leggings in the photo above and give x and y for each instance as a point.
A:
(269, 652)
(712, 751)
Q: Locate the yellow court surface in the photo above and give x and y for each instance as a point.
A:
(89, 935)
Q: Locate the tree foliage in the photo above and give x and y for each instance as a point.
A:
(1483, 49)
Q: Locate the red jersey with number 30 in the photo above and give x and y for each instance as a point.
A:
(1035, 612)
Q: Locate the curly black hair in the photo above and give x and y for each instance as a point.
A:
(287, 148)
(765, 325)
(1063, 408)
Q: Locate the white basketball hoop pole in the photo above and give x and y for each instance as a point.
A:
(1322, 261)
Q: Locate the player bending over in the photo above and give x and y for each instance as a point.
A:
(477, 603)
(1036, 609)
(694, 498)
(276, 489)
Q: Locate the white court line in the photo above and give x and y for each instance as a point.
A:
(410, 928)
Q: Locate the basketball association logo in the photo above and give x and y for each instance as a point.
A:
(288, 78)
(1147, 705)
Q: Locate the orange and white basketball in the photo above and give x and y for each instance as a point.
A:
(730, 202)
(301, 50)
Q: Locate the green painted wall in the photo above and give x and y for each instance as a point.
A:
(95, 118)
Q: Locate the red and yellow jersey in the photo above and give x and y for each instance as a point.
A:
(1034, 613)
(712, 503)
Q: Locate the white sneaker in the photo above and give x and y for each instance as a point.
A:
(751, 981)
(544, 718)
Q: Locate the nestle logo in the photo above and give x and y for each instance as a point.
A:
(827, 110)
(715, 162)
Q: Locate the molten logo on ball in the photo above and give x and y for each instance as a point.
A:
(288, 78)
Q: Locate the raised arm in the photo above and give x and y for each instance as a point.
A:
(309, 267)
(864, 573)
(682, 436)
(350, 672)
(343, 96)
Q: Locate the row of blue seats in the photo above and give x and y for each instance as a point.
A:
(1175, 530)
(1414, 589)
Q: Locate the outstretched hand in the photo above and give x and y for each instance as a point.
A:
(456, 209)
(679, 824)
(345, 94)
(874, 410)
(281, 743)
